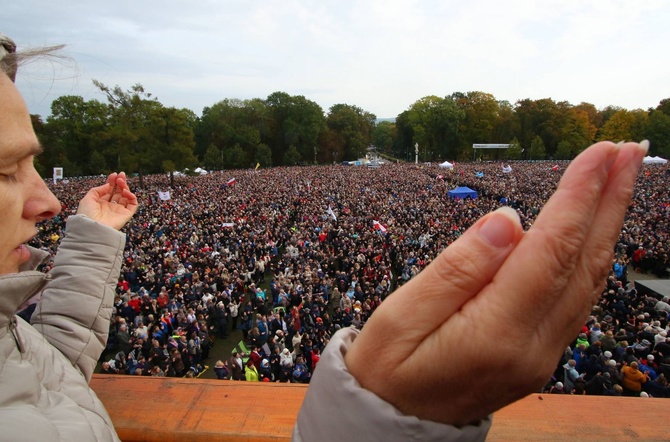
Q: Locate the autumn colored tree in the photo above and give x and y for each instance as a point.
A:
(625, 125)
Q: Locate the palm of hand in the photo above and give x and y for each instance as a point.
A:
(112, 204)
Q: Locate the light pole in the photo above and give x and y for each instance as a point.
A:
(416, 153)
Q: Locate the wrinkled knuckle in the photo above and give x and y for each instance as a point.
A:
(598, 264)
(566, 247)
(458, 268)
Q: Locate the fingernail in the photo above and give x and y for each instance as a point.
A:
(611, 158)
(644, 145)
(499, 228)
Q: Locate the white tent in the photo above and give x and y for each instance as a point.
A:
(200, 171)
(654, 160)
(446, 165)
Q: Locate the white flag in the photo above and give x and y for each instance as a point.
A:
(331, 213)
(164, 196)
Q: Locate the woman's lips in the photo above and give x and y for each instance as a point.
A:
(23, 252)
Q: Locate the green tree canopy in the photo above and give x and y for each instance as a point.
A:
(351, 129)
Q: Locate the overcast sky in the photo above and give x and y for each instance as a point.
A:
(379, 55)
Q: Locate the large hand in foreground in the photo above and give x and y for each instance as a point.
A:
(486, 322)
(112, 204)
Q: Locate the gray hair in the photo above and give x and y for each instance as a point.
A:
(8, 62)
(10, 59)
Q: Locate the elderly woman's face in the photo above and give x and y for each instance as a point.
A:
(24, 197)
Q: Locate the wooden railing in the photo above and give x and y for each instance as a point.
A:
(178, 409)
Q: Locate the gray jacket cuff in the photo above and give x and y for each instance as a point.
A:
(337, 408)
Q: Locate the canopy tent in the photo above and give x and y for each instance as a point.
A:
(462, 192)
(446, 165)
(654, 160)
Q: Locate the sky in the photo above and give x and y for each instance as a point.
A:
(381, 56)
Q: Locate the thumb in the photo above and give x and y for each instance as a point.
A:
(457, 275)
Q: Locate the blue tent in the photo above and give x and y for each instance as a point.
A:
(462, 192)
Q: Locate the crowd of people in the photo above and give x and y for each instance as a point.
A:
(290, 255)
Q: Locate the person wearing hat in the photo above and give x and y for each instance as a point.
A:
(557, 388)
(286, 365)
(264, 372)
(605, 358)
(648, 367)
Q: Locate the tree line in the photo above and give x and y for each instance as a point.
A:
(132, 131)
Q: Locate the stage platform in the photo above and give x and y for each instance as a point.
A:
(653, 287)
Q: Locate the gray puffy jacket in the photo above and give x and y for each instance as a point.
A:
(45, 367)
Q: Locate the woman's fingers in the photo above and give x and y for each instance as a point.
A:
(421, 306)
(595, 261)
(532, 281)
(506, 300)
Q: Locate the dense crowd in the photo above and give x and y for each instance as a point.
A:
(290, 255)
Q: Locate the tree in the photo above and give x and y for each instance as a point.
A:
(624, 125)
(383, 136)
(514, 151)
(481, 111)
(128, 134)
(594, 117)
(297, 122)
(75, 131)
(235, 158)
(232, 121)
(577, 133)
(507, 123)
(143, 134)
(605, 114)
(292, 156)
(658, 133)
(403, 146)
(351, 128)
(263, 155)
(435, 123)
(564, 151)
(537, 150)
(544, 118)
(664, 106)
(174, 139)
(213, 158)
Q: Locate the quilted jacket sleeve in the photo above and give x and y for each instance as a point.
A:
(77, 304)
(337, 408)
